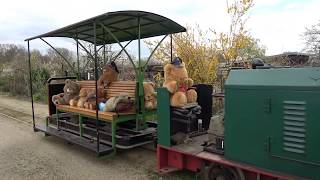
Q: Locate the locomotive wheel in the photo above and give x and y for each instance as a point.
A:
(218, 172)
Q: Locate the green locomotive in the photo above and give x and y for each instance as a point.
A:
(272, 119)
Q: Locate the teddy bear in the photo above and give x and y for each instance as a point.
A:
(178, 83)
(150, 96)
(119, 103)
(91, 98)
(125, 105)
(80, 99)
(109, 75)
(70, 91)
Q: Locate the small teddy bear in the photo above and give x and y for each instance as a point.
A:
(80, 100)
(83, 97)
(150, 96)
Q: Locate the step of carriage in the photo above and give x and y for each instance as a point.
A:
(76, 139)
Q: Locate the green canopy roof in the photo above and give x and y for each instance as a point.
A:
(123, 24)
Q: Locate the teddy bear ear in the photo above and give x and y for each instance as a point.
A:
(67, 81)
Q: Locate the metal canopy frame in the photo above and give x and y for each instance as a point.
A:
(108, 28)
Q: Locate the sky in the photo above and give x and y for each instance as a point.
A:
(277, 23)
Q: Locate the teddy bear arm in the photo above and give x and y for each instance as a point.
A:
(56, 99)
(189, 82)
(172, 86)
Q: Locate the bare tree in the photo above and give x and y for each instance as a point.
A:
(312, 39)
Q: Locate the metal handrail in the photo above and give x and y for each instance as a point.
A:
(60, 78)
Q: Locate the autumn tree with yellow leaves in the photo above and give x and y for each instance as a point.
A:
(202, 51)
(237, 43)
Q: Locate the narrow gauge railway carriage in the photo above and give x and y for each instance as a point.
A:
(271, 129)
(104, 132)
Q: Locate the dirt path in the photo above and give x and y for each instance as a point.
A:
(28, 155)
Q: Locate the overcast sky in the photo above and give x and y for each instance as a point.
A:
(277, 23)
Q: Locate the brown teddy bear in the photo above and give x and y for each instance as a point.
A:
(178, 83)
(109, 75)
(91, 98)
(150, 96)
(70, 90)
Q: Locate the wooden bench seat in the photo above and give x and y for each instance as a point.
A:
(105, 116)
(114, 89)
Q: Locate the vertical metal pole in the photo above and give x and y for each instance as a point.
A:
(30, 84)
(140, 81)
(78, 60)
(139, 46)
(104, 47)
(104, 54)
(96, 78)
(171, 48)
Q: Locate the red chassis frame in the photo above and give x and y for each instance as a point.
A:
(170, 159)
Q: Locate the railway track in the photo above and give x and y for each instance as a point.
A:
(16, 119)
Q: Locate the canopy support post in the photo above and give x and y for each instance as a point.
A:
(30, 84)
(139, 44)
(171, 51)
(104, 46)
(96, 84)
(78, 60)
(115, 38)
(104, 54)
(140, 118)
(65, 59)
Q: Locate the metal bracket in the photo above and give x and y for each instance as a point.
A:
(115, 58)
(153, 51)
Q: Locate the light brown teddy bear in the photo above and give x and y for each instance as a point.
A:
(150, 96)
(81, 99)
(178, 83)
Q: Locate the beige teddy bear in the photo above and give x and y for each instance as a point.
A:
(178, 83)
(150, 96)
